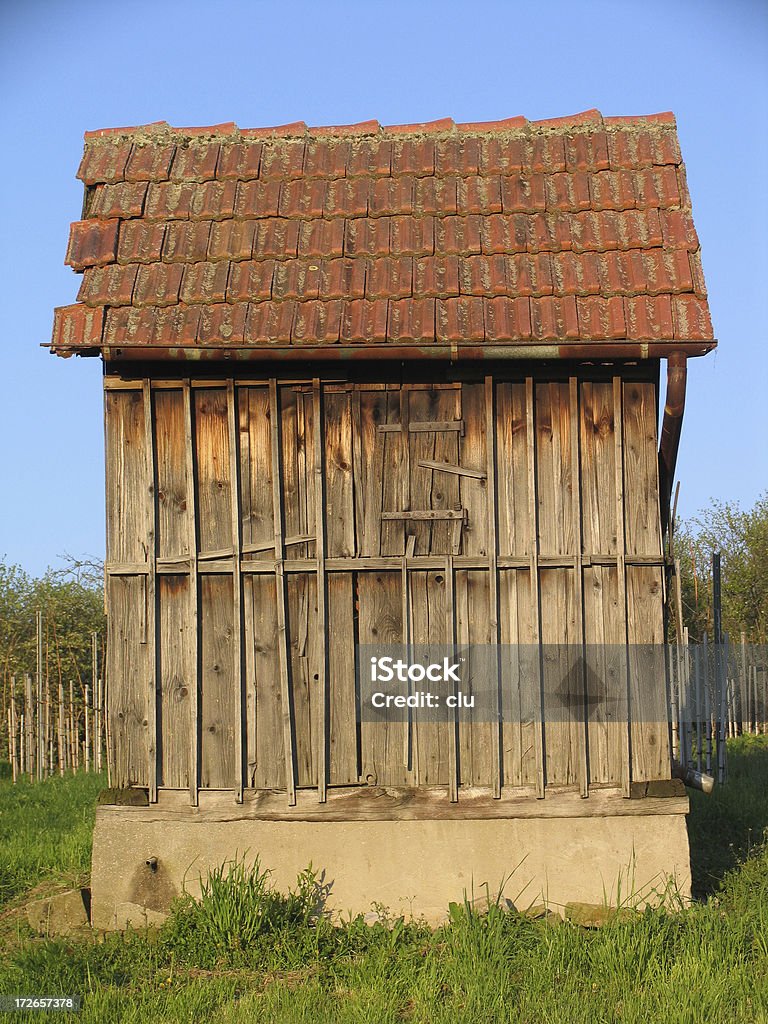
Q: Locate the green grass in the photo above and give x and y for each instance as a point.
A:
(246, 953)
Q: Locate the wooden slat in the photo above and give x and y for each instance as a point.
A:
(322, 681)
(282, 632)
(237, 588)
(490, 448)
(534, 580)
(618, 416)
(194, 710)
(444, 467)
(450, 629)
(425, 426)
(583, 723)
(150, 592)
(425, 515)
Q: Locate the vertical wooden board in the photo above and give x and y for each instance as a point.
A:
(297, 465)
(177, 678)
(214, 478)
(258, 526)
(302, 634)
(520, 694)
(598, 468)
(369, 470)
(126, 477)
(172, 492)
(343, 740)
(393, 469)
(514, 525)
(218, 683)
(265, 751)
(563, 708)
(431, 739)
(641, 478)
(474, 496)
(380, 622)
(429, 488)
(339, 483)
(472, 627)
(128, 680)
(647, 684)
(607, 678)
(554, 473)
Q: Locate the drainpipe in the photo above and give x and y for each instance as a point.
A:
(674, 407)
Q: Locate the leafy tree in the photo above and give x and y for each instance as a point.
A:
(742, 538)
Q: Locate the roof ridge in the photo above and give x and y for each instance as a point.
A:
(585, 120)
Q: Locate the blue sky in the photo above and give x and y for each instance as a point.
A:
(69, 67)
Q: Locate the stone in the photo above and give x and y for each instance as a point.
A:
(61, 914)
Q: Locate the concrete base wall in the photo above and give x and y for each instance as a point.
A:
(143, 858)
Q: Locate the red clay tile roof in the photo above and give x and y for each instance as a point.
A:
(415, 239)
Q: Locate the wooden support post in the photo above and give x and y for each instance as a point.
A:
(450, 629)
(410, 753)
(87, 710)
(493, 581)
(621, 572)
(322, 597)
(192, 547)
(150, 583)
(237, 588)
(533, 518)
(40, 736)
(29, 761)
(573, 407)
(61, 733)
(14, 751)
(282, 626)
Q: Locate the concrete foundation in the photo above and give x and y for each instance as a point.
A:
(553, 851)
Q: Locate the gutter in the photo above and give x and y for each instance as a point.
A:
(674, 407)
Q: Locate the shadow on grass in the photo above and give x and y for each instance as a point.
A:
(725, 826)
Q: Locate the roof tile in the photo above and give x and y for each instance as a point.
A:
(390, 196)
(282, 159)
(523, 193)
(457, 235)
(457, 156)
(296, 279)
(586, 151)
(507, 320)
(600, 318)
(389, 278)
(229, 240)
(504, 155)
(436, 276)
(412, 236)
(148, 162)
(123, 200)
(321, 238)
(648, 318)
(104, 162)
(257, 198)
(576, 273)
(302, 198)
(411, 320)
(195, 162)
(318, 322)
(613, 190)
(140, 242)
(460, 319)
(278, 238)
(554, 319)
(92, 243)
(436, 195)
(690, 315)
(567, 191)
(530, 274)
(222, 323)
(369, 156)
(504, 234)
(326, 159)
(269, 322)
(347, 198)
(413, 156)
(239, 161)
(364, 321)
(158, 284)
(479, 195)
(678, 231)
(483, 275)
(369, 237)
(548, 154)
(249, 281)
(187, 241)
(343, 278)
(77, 325)
(111, 285)
(205, 282)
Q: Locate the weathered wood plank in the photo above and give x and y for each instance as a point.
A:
(647, 691)
(444, 467)
(344, 765)
(173, 485)
(237, 589)
(453, 726)
(193, 594)
(257, 513)
(337, 450)
(578, 572)
(493, 589)
(218, 705)
(126, 476)
(621, 547)
(264, 696)
(533, 504)
(641, 481)
(177, 680)
(214, 477)
(515, 534)
(150, 594)
(322, 727)
(280, 590)
(127, 679)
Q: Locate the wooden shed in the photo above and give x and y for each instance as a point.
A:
(399, 385)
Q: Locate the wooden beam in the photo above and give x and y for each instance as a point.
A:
(237, 586)
(621, 547)
(150, 629)
(445, 467)
(427, 427)
(426, 515)
(194, 711)
(322, 597)
(282, 626)
(493, 579)
(450, 626)
(533, 518)
(573, 423)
